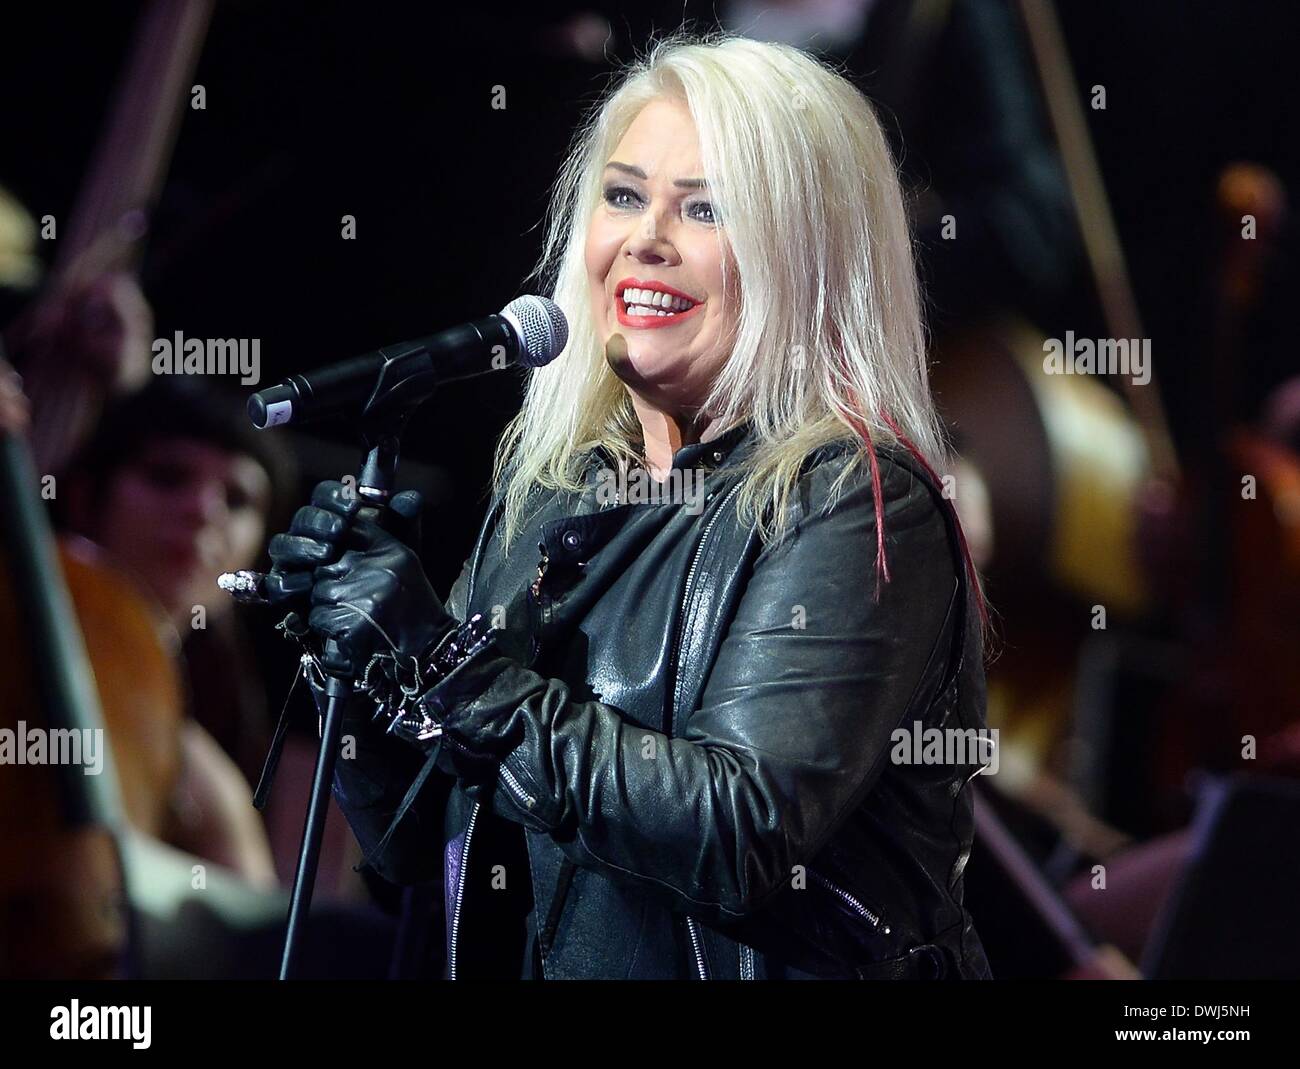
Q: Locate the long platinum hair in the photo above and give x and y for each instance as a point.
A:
(829, 344)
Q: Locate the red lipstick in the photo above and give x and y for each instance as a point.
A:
(651, 322)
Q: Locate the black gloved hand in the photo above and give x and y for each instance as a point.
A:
(315, 536)
(368, 590)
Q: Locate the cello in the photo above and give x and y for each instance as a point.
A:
(99, 660)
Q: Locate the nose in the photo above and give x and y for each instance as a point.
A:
(647, 243)
(203, 502)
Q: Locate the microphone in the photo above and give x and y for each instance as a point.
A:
(245, 586)
(530, 331)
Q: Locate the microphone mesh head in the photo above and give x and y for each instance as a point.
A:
(543, 331)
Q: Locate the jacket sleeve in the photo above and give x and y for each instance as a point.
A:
(811, 679)
(372, 776)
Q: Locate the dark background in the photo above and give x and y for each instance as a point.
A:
(316, 110)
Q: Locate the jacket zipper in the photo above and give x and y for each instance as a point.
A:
(473, 813)
(511, 781)
(872, 918)
(686, 593)
(460, 894)
(746, 962)
(697, 948)
(516, 788)
(508, 777)
(527, 800)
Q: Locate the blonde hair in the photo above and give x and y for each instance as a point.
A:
(830, 344)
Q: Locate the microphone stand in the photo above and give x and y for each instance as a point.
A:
(383, 418)
(304, 880)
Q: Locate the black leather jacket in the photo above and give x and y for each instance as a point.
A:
(691, 735)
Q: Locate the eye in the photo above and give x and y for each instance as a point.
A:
(613, 193)
(166, 476)
(702, 211)
(237, 497)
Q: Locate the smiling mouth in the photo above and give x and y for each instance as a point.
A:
(644, 308)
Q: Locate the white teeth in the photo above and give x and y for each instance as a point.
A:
(655, 299)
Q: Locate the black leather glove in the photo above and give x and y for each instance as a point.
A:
(358, 570)
(368, 590)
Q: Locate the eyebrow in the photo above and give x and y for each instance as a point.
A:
(636, 172)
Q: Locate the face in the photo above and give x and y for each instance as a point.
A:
(656, 234)
(183, 512)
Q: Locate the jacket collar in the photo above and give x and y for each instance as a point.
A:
(711, 453)
(714, 452)
(703, 456)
